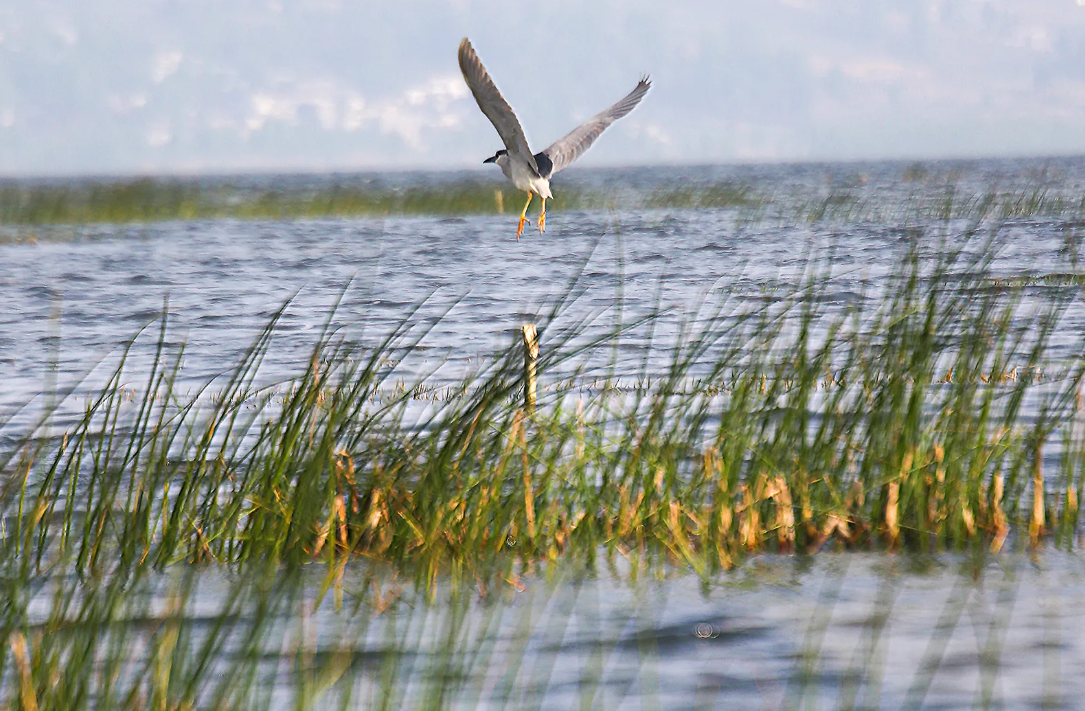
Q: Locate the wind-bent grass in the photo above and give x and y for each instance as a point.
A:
(920, 422)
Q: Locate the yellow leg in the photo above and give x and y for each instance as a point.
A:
(542, 216)
(523, 216)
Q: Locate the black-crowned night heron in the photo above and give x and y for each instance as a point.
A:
(531, 173)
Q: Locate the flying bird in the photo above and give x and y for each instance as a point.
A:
(532, 172)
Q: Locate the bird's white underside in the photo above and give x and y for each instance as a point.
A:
(523, 177)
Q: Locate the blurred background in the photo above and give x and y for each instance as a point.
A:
(120, 87)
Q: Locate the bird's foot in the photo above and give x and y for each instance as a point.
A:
(542, 222)
(520, 229)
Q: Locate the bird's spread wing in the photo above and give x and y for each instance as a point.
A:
(493, 104)
(565, 150)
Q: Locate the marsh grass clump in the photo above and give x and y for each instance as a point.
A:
(714, 195)
(153, 200)
(927, 417)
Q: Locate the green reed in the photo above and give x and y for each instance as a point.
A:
(900, 423)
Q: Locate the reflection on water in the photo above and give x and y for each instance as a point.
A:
(834, 631)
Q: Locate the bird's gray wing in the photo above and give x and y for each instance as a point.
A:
(565, 150)
(494, 105)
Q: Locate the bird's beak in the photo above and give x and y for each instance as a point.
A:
(491, 159)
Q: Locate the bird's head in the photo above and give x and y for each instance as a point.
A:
(498, 157)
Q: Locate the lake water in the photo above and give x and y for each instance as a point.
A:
(76, 293)
(887, 631)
